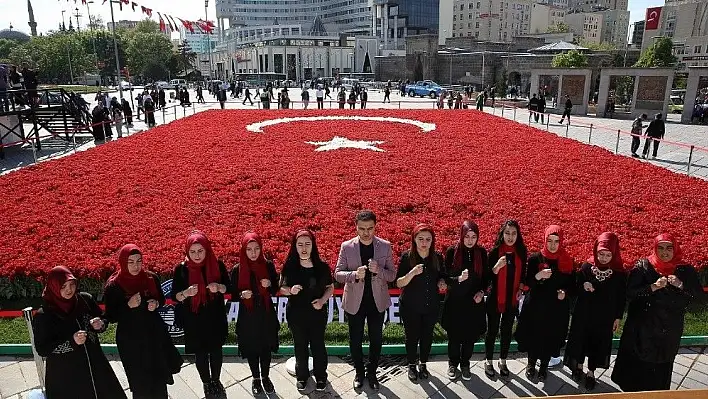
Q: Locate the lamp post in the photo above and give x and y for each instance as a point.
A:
(351, 64)
(206, 17)
(63, 21)
(115, 49)
(93, 37)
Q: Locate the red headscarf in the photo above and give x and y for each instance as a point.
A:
(665, 268)
(501, 278)
(609, 242)
(210, 263)
(52, 291)
(140, 283)
(468, 226)
(565, 261)
(258, 267)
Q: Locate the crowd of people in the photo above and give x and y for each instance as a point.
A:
(12, 78)
(486, 291)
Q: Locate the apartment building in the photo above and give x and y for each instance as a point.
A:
(491, 20)
(544, 16)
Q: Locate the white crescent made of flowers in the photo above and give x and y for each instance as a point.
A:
(258, 126)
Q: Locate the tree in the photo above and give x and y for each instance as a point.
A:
(658, 55)
(604, 46)
(187, 57)
(6, 46)
(570, 59)
(147, 26)
(560, 27)
(144, 49)
(96, 22)
(57, 56)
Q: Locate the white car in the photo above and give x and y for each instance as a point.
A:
(125, 85)
(161, 84)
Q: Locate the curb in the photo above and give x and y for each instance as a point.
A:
(334, 350)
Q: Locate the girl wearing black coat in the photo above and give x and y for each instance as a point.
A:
(66, 333)
(463, 315)
(146, 350)
(199, 284)
(659, 289)
(543, 322)
(307, 281)
(254, 283)
(420, 277)
(601, 286)
(506, 270)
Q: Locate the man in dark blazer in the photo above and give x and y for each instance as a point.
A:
(365, 266)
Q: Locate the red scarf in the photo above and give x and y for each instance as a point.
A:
(565, 261)
(213, 274)
(501, 279)
(468, 226)
(609, 242)
(258, 267)
(665, 268)
(52, 291)
(140, 283)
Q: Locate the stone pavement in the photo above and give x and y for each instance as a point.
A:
(604, 133)
(18, 376)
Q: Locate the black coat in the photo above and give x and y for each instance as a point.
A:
(146, 350)
(652, 332)
(593, 317)
(206, 330)
(656, 129)
(543, 323)
(74, 371)
(257, 329)
(461, 314)
(491, 302)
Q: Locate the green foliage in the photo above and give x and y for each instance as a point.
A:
(570, 59)
(604, 46)
(680, 81)
(560, 27)
(186, 58)
(6, 47)
(658, 55)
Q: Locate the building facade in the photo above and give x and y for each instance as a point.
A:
(545, 16)
(198, 42)
(123, 24)
(491, 20)
(638, 34)
(686, 23)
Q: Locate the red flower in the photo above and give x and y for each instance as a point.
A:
(208, 172)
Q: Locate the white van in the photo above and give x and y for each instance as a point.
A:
(178, 83)
(348, 83)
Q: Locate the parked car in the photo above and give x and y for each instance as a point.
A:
(161, 84)
(424, 88)
(125, 85)
(675, 105)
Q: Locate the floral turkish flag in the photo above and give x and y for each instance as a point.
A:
(276, 171)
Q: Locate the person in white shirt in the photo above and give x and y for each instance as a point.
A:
(320, 97)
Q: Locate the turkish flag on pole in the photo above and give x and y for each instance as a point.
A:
(653, 17)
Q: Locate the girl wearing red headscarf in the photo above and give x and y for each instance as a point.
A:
(307, 281)
(132, 296)
(659, 289)
(506, 272)
(199, 284)
(463, 310)
(254, 282)
(420, 276)
(601, 287)
(543, 322)
(66, 331)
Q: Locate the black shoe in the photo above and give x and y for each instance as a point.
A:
(373, 381)
(489, 370)
(453, 373)
(635, 155)
(321, 385)
(208, 389)
(268, 385)
(503, 370)
(590, 383)
(218, 387)
(578, 375)
(423, 371)
(301, 385)
(542, 374)
(256, 387)
(530, 372)
(466, 373)
(412, 373)
(358, 381)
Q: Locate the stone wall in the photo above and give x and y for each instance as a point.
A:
(390, 68)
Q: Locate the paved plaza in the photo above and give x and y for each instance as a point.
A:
(19, 376)
(604, 132)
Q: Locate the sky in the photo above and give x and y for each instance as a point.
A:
(48, 12)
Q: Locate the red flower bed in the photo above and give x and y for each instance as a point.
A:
(208, 172)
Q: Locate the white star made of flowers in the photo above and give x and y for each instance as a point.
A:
(342, 142)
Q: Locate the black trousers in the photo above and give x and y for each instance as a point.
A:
(418, 328)
(495, 322)
(646, 146)
(635, 144)
(157, 392)
(375, 321)
(320, 103)
(209, 365)
(248, 97)
(566, 113)
(544, 361)
(308, 329)
(459, 348)
(260, 364)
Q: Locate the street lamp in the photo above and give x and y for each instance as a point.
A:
(206, 17)
(115, 49)
(93, 36)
